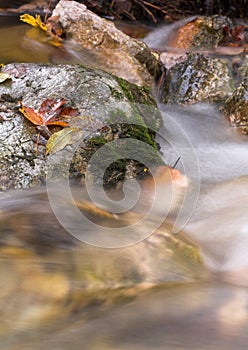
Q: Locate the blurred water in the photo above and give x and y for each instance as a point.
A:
(162, 37)
(199, 317)
(39, 277)
(221, 151)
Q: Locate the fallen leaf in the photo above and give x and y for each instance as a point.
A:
(68, 112)
(60, 139)
(48, 113)
(33, 21)
(50, 109)
(31, 115)
(92, 209)
(4, 76)
(52, 33)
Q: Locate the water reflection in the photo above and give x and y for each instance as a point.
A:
(23, 43)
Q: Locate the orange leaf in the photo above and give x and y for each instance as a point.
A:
(57, 122)
(48, 113)
(31, 115)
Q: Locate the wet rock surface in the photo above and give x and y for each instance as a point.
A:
(197, 78)
(236, 107)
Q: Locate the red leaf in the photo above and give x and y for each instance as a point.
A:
(49, 113)
(69, 112)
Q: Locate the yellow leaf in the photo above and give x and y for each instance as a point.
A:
(60, 139)
(33, 21)
(91, 209)
(55, 41)
(1, 65)
(3, 77)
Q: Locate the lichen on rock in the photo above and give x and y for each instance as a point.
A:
(236, 107)
(198, 78)
(104, 103)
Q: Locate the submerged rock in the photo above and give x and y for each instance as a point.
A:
(109, 109)
(48, 275)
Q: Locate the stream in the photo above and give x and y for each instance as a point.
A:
(200, 314)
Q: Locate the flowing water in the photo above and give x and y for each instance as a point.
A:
(201, 134)
(42, 280)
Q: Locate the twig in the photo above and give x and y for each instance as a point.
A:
(147, 10)
(48, 8)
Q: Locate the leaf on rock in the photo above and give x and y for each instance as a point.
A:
(31, 115)
(60, 139)
(33, 21)
(50, 109)
(4, 76)
(69, 112)
(49, 113)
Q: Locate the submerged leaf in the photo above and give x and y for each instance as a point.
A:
(60, 139)
(93, 210)
(33, 21)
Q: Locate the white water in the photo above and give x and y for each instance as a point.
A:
(221, 151)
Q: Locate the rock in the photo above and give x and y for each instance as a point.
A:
(115, 52)
(48, 275)
(236, 107)
(202, 33)
(170, 59)
(241, 67)
(199, 78)
(109, 108)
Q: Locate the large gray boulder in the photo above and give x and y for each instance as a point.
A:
(109, 108)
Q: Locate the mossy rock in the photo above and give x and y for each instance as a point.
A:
(109, 109)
